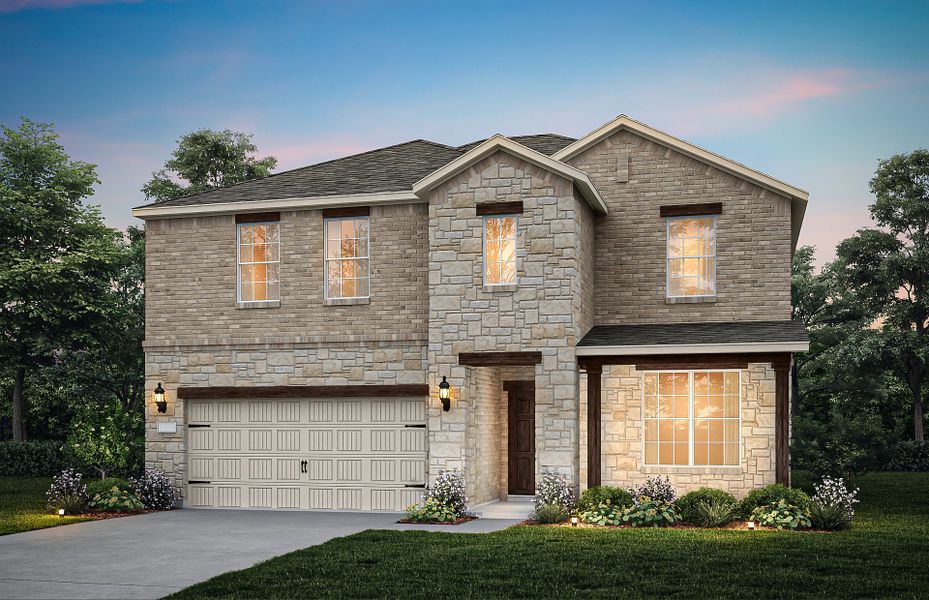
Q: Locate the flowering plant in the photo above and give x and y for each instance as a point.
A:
(155, 490)
(555, 489)
(67, 492)
(833, 505)
(657, 488)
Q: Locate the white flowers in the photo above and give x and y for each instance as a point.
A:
(555, 489)
(832, 493)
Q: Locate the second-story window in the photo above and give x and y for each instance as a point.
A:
(691, 257)
(259, 257)
(500, 250)
(347, 274)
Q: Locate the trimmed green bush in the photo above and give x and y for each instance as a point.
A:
(910, 455)
(772, 494)
(31, 459)
(99, 486)
(687, 504)
(593, 497)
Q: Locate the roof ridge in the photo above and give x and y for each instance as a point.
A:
(332, 160)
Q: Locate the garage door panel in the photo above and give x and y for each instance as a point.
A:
(339, 454)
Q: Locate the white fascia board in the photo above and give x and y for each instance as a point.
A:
(657, 349)
(665, 139)
(499, 142)
(222, 208)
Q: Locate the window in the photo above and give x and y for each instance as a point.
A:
(692, 418)
(499, 250)
(259, 256)
(691, 257)
(347, 257)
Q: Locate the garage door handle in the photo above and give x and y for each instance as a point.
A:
(417, 426)
(303, 464)
(415, 485)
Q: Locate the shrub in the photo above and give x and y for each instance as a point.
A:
(656, 488)
(713, 513)
(772, 494)
(155, 490)
(449, 490)
(555, 489)
(650, 513)
(98, 486)
(687, 504)
(30, 459)
(103, 438)
(68, 492)
(116, 500)
(781, 515)
(833, 505)
(431, 510)
(604, 513)
(591, 498)
(550, 513)
(910, 455)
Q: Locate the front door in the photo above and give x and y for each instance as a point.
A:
(521, 436)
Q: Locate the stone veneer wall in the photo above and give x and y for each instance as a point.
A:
(621, 435)
(329, 364)
(753, 236)
(486, 454)
(537, 315)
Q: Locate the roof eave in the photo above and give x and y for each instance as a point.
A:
(502, 143)
(659, 349)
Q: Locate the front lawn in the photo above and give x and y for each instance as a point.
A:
(22, 505)
(885, 554)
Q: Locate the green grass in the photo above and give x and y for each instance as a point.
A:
(885, 554)
(22, 505)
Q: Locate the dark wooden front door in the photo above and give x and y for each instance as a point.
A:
(521, 436)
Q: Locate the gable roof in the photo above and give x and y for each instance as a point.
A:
(391, 169)
(798, 197)
(500, 143)
(546, 143)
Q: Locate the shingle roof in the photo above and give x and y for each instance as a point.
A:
(390, 169)
(696, 333)
(546, 143)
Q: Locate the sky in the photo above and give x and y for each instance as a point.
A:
(813, 93)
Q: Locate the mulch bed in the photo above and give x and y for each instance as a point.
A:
(102, 516)
(458, 521)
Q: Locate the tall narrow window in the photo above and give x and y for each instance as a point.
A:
(691, 257)
(259, 255)
(692, 418)
(347, 274)
(499, 250)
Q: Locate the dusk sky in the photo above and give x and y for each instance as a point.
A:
(811, 93)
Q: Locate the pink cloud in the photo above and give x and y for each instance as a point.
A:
(11, 6)
(291, 155)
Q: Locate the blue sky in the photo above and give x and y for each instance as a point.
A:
(811, 93)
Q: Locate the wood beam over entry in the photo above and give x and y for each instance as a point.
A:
(499, 359)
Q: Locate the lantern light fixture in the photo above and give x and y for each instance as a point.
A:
(573, 521)
(445, 389)
(61, 512)
(160, 401)
(751, 526)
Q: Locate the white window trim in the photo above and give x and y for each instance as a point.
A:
(326, 258)
(690, 443)
(667, 262)
(238, 262)
(484, 251)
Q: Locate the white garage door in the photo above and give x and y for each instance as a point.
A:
(319, 453)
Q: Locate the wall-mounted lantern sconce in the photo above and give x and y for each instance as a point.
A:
(160, 401)
(444, 390)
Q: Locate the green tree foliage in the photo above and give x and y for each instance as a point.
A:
(57, 261)
(106, 438)
(887, 271)
(205, 160)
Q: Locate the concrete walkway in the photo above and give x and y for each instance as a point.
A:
(149, 556)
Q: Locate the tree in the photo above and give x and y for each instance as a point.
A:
(205, 160)
(57, 259)
(887, 269)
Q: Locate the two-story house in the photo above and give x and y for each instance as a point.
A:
(609, 307)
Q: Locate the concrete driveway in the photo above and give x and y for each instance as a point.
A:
(149, 556)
